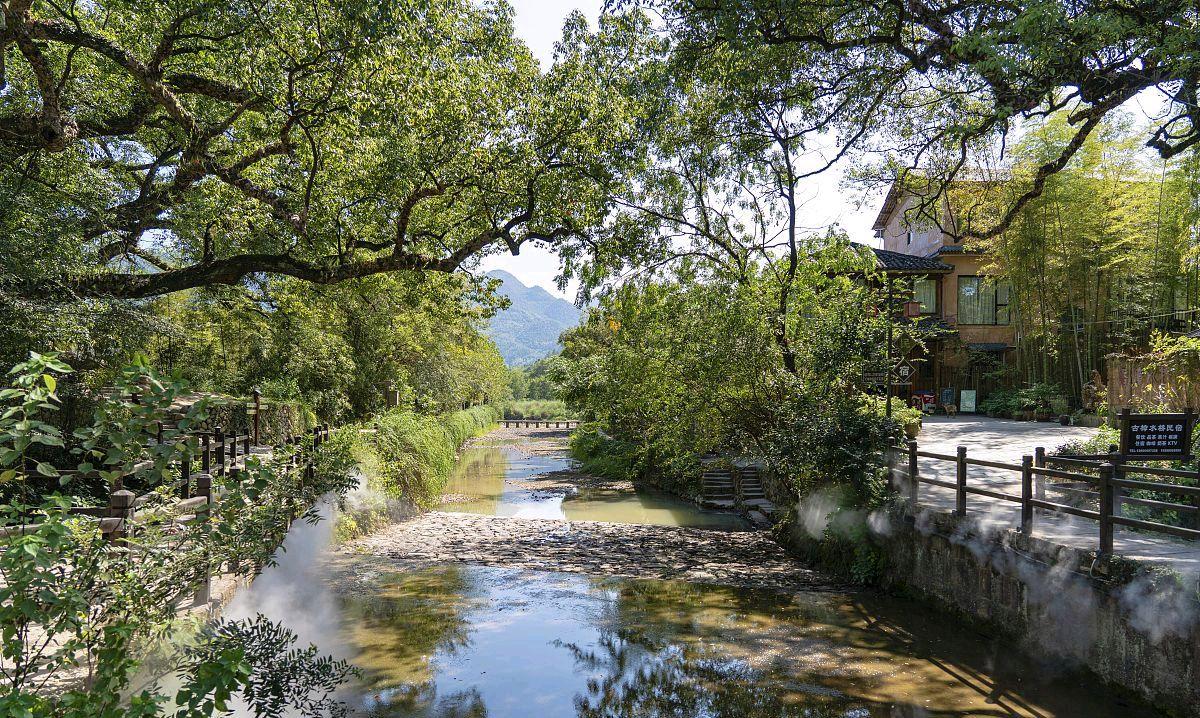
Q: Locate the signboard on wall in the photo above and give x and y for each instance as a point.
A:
(874, 378)
(947, 396)
(966, 401)
(1157, 436)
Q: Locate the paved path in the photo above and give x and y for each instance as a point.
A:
(738, 558)
(1007, 441)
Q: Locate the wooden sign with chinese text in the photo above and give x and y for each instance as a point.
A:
(1157, 436)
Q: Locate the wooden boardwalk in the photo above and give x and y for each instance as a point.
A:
(540, 423)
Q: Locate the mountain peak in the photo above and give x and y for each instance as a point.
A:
(528, 330)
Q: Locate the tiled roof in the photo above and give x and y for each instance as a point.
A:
(899, 263)
(934, 327)
(953, 249)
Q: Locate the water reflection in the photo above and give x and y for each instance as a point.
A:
(504, 481)
(473, 641)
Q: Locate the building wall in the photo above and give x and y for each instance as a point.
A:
(965, 266)
(926, 240)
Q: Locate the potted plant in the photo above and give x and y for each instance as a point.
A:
(910, 418)
(1023, 405)
(1044, 398)
(1062, 409)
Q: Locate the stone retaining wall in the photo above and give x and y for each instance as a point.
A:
(1136, 629)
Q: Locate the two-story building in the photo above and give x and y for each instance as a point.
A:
(964, 315)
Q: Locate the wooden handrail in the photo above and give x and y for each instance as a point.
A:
(1110, 479)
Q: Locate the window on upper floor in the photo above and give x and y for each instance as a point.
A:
(925, 292)
(981, 301)
(908, 237)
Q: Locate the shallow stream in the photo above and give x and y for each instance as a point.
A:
(503, 481)
(462, 640)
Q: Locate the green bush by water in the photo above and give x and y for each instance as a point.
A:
(405, 460)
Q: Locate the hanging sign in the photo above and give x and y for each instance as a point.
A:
(903, 374)
(1157, 436)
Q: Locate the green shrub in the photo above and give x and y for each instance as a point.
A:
(601, 455)
(1098, 444)
(833, 442)
(405, 460)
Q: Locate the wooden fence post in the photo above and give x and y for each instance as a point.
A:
(185, 472)
(913, 483)
(120, 506)
(1118, 492)
(1026, 495)
(1039, 461)
(257, 414)
(233, 451)
(219, 440)
(960, 484)
(204, 487)
(1106, 509)
(206, 454)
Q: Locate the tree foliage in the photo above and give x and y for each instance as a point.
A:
(154, 147)
(671, 369)
(931, 84)
(1103, 258)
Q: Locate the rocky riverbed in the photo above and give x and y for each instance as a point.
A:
(748, 559)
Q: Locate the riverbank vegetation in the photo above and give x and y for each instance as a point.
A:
(404, 460)
(673, 369)
(82, 609)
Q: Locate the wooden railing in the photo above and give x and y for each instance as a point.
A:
(540, 423)
(218, 454)
(1108, 478)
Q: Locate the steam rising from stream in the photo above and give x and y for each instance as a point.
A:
(292, 591)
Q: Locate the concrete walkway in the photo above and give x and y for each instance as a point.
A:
(1007, 441)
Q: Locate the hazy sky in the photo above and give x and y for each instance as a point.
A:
(539, 23)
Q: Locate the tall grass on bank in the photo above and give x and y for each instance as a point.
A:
(405, 460)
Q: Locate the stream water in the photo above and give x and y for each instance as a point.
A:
(462, 640)
(496, 481)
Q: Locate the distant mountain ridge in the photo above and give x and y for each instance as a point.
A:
(528, 330)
